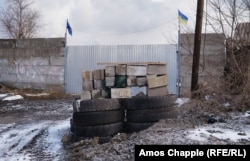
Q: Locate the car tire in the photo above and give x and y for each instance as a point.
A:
(99, 130)
(97, 117)
(151, 115)
(96, 105)
(147, 102)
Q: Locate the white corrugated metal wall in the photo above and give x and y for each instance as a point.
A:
(80, 58)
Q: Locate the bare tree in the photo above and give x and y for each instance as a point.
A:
(231, 17)
(19, 20)
(224, 15)
(247, 3)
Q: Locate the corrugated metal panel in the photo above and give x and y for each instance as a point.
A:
(80, 58)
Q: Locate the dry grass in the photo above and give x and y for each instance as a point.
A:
(36, 94)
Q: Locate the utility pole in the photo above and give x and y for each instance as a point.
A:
(197, 46)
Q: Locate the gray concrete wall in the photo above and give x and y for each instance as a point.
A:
(212, 61)
(33, 63)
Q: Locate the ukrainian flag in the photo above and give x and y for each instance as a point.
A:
(182, 18)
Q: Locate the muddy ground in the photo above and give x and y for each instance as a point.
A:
(48, 137)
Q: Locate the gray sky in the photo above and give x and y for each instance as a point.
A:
(114, 21)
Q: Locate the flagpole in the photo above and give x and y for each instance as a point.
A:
(179, 60)
(66, 33)
(66, 55)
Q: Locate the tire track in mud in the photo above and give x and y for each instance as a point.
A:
(33, 141)
(34, 132)
(47, 144)
(36, 150)
(15, 138)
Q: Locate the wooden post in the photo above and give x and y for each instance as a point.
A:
(197, 44)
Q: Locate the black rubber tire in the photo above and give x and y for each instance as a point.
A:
(74, 104)
(130, 127)
(97, 118)
(96, 105)
(151, 115)
(147, 102)
(71, 126)
(99, 131)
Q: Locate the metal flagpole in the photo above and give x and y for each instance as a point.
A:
(178, 61)
(65, 65)
(66, 34)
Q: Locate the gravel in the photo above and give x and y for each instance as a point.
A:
(193, 117)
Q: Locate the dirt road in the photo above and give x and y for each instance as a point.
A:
(33, 129)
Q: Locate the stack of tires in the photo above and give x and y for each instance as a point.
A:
(142, 112)
(97, 118)
(107, 117)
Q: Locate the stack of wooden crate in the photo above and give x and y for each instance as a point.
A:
(125, 80)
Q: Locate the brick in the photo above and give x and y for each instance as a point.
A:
(158, 91)
(99, 84)
(106, 93)
(85, 95)
(158, 69)
(87, 85)
(110, 81)
(157, 81)
(141, 81)
(120, 70)
(109, 71)
(87, 75)
(137, 70)
(121, 93)
(131, 81)
(96, 94)
(99, 74)
(151, 76)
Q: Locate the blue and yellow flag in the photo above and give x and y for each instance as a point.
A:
(69, 28)
(182, 18)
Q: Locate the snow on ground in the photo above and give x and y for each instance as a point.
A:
(202, 133)
(37, 95)
(3, 95)
(181, 101)
(10, 97)
(218, 130)
(221, 131)
(55, 134)
(14, 139)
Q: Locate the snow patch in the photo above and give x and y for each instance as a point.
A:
(37, 95)
(17, 138)
(202, 133)
(11, 98)
(55, 134)
(3, 95)
(181, 101)
(226, 104)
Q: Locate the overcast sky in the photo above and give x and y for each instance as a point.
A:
(114, 21)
